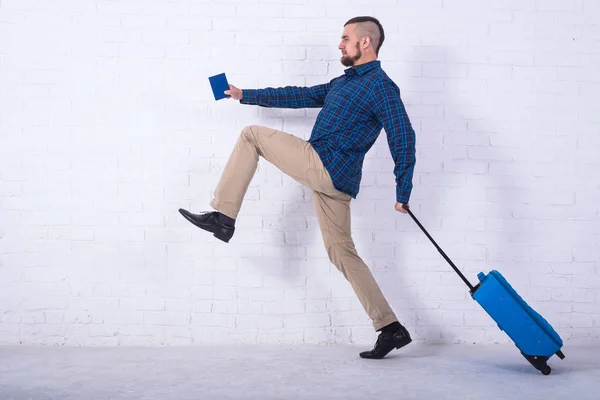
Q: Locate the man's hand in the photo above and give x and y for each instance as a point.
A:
(234, 93)
(399, 207)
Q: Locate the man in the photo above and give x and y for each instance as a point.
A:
(355, 107)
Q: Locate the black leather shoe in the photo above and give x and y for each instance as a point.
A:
(210, 222)
(386, 342)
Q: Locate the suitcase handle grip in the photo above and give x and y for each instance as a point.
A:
(405, 206)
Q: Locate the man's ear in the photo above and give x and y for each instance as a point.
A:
(365, 42)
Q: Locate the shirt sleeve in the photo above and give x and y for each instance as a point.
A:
(287, 97)
(390, 111)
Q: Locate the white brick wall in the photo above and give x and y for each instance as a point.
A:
(108, 126)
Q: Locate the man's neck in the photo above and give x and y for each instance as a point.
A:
(365, 61)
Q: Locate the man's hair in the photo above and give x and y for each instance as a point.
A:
(369, 26)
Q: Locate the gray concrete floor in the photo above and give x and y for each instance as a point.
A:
(418, 371)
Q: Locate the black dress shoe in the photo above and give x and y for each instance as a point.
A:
(386, 342)
(210, 222)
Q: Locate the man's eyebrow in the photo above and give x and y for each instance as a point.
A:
(344, 37)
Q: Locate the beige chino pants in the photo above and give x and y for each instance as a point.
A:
(297, 158)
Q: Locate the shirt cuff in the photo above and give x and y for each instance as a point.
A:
(248, 96)
(401, 195)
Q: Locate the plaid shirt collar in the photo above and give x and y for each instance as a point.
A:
(363, 68)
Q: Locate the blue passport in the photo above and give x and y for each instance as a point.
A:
(219, 85)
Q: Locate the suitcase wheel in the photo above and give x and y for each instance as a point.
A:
(546, 370)
(539, 362)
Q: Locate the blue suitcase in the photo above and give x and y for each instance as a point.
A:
(531, 333)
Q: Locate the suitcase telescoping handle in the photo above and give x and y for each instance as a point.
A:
(405, 206)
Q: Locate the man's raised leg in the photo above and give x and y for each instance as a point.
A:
(292, 155)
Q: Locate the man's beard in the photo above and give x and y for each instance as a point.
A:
(349, 61)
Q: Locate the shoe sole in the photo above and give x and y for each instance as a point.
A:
(401, 345)
(215, 234)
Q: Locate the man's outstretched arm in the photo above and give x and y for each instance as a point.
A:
(390, 111)
(283, 97)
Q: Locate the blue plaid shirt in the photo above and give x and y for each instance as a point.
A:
(355, 107)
